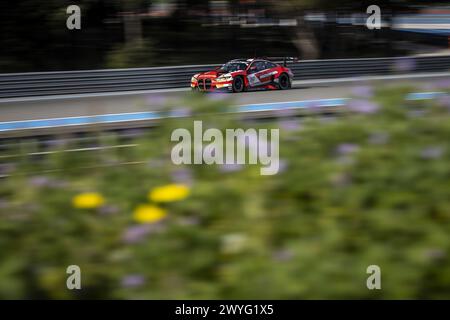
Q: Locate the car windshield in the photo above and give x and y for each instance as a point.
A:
(233, 66)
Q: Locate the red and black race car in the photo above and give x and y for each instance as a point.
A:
(245, 74)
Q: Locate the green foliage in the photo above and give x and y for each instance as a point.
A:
(356, 190)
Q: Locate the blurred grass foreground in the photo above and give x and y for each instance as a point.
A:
(369, 187)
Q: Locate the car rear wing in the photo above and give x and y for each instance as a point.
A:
(282, 60)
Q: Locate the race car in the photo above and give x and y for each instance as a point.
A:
(245, 74)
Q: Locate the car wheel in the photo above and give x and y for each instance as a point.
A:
(284, 82)
(238, 84)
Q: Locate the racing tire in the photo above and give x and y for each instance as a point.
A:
(284, 82)
(238, 84)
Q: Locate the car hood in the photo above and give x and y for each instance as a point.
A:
(211, 74)
(216, 73)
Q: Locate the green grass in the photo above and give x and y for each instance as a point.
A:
(360, 190)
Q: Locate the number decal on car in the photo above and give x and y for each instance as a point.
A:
(253, 80)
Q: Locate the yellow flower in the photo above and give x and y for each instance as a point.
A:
(88, 200)
(146, 213)
(169, 193)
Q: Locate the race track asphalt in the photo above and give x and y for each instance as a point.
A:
(61, 107)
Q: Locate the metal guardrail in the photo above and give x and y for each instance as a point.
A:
(97, 81)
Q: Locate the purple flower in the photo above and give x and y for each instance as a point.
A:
(217, 96)
(345, 160)
(108, 210)
(327, 119)
(189, 221)
(181, 112)
(435, 254)
(347, 148)
(417, 113)
(3, 204)
(442, 84)
(314, 107)
(182, 175)
(137, 233)
(345, 152)
(282, 165)
(289, 125)
(285, 112)
(379, 138)
(133, 281)
(363, 91)
(283, 255)
(427, 86)
(233, 167)
(156, 163)
(341, 179)
(312, 104)
(362, 106)
(54, 183)
(44, 181)
(6, 168)
(431, 153)
(444, 100)
(39, 181)
(156, 100)
(55, 143)
(133, 132)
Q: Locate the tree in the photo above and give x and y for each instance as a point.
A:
(304, 38)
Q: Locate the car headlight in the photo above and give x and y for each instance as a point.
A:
(225, 77)
(194, 78)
